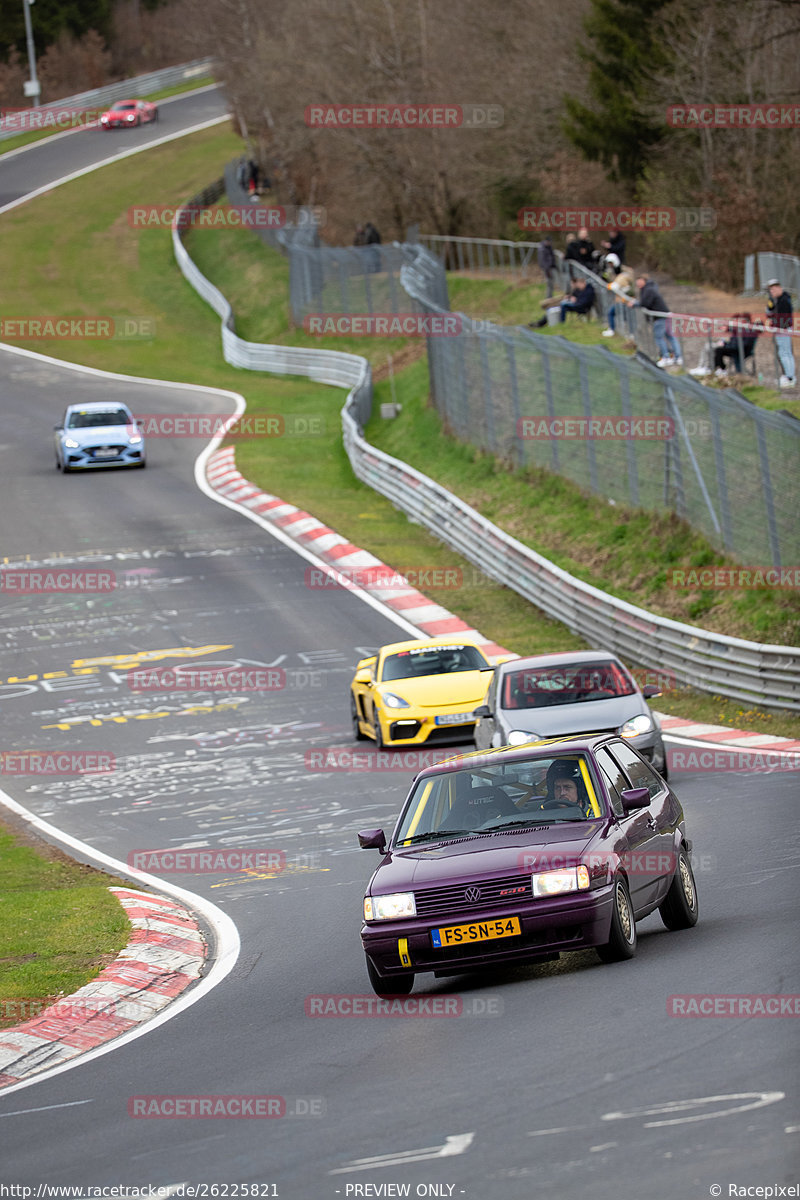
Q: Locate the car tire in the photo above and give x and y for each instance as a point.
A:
(398, 985)
(379, 742)
(680, 908)
(660, 763)
(357, 734)
(622, 941)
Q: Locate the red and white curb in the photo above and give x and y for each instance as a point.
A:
(431, 619)
(725, 737)
(165, 954)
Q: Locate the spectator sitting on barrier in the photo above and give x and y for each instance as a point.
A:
(619, 280)
(615, 245)
(779, 315)
(650, 298)
(739, 346)
(580, 300)
(547, 262)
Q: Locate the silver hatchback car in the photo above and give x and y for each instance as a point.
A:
(560, 695)
(99, 434)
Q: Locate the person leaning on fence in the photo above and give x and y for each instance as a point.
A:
(651, 299)
(740, 345)
(779, 315)
(619, 281)
(547, 262)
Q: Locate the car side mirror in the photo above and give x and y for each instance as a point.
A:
(489, 668)
(633, 798)
(482, 711)
(57, 427)
(651, 690)
(372, 839)
(364, 676)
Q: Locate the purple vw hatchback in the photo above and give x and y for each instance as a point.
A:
(515, 855)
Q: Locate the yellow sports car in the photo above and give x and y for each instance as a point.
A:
(414, 692)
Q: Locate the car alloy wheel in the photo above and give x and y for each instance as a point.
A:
(622, 941)
(680, 908)
(357, 734)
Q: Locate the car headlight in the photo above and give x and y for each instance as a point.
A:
(518, 737)
(393, 701)
(70, 444)
(134, 441)
(389, 908)
(637, 725)
(557, 883)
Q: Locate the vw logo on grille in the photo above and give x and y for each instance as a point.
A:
(472, 894)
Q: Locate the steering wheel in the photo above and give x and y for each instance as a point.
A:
(561, 804)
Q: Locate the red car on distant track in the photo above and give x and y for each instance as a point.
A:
(129, 112)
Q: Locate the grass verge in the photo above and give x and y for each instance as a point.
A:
(95, 263)
(60, 925)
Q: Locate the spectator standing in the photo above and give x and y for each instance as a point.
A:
(779, 315)
(587, 255)
(615, 245)
(651, 299)
(373, 238)
(547, 263)
(571, 252)
(619, 281)
(361, 238)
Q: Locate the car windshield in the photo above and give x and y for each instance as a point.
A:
(123, 106)
(432, 660)
(96, 418)
(543, 687)
(478, 800)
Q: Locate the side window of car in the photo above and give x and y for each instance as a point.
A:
(640, 773)
(614, 780)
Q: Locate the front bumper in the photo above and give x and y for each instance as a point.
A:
(84, 458)
(417, 728)
(548, 926)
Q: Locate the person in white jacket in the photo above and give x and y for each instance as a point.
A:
(619, 281)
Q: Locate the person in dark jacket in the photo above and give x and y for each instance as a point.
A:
(739, 346)
(779, 315)
(651, 299)
(547, 262)
(580, 301)
(587, 255)
(360, 238)
(615, 245)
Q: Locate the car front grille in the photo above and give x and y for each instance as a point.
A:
(453, 898)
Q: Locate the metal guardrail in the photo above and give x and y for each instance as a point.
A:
(140, 85)
(742, 670)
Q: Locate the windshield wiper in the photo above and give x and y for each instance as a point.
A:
(432, 835)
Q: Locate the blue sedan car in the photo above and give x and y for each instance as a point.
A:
(100, 434)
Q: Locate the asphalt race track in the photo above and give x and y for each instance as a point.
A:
(568, 1079)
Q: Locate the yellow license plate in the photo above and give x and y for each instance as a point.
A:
(478, 931)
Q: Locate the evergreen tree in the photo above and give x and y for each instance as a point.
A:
(615, 128)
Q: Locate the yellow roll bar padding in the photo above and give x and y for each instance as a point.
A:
(421, 806)
(587, 782)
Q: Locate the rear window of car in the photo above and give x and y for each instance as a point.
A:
(96, 418)
(639, 773)
(544, 687)
(436, 660)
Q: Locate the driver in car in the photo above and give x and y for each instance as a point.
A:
(565, 786)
